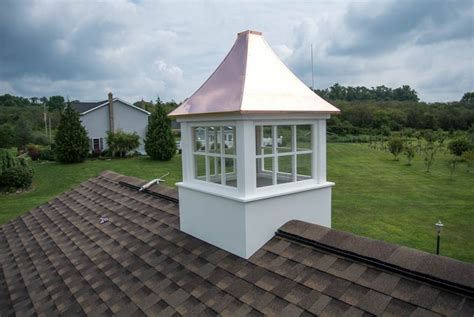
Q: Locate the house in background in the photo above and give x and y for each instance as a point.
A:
(111, 115)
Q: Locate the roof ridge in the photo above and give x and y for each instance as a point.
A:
(418, 264)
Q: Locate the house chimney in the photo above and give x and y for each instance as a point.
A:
(111, 112)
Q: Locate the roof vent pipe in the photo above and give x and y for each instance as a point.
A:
(111, 113)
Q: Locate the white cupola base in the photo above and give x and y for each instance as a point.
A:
(253, 141)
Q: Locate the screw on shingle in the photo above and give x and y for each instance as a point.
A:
(103, 220)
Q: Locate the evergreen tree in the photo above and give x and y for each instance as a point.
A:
(159, 142)
(71, 143)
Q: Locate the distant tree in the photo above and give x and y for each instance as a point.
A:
(337, 92)
(7, 136)
(43, 100)
(23, 132)
(120, 143)
(10, 103)
(158, 101)
(409, 150)
(459, 146)
(55, 103)
(395, 146)
(71, 143)
(159, 142)
(468, 98)
(405, 93)
(34, 100)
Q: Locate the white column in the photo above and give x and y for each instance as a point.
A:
(246, 165)
(186, 152)
(319, 151)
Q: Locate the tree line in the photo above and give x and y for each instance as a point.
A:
(379, 93)
(382, 110)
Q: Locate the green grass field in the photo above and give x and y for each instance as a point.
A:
(374, 195)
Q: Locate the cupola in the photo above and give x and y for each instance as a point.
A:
(253, 140)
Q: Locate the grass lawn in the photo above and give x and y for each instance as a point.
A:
(374, 195)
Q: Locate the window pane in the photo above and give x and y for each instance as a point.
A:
(284, 139)
(285, 165)
(231, 172)
(198, 139)
(229, 140)
(212, 135)
(200, 167)
(264, 171)
(264, 140)
(214, 169)
(303, 137)
(303, 166)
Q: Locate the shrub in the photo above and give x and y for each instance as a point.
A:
(46, 155)
(121, 142)
(33, 151)
(159, 142)
(16, 177)
(71, 144)
(459, 146)
(395, 146)
(7, 160)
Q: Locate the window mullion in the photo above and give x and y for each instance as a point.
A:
(206, 157)
(275, 157)
(221, 132)
(293, 149)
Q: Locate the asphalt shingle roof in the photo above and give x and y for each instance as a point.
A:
(60, 259)
(82, 107)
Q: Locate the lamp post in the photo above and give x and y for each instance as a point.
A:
(439, 226)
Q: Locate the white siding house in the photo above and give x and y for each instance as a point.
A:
(98, 117)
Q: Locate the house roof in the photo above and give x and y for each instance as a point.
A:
(86, 107)
(252, 79)
(59, 259)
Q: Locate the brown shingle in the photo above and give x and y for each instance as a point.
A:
(58, 259)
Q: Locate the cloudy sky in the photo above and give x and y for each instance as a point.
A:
(140, 49)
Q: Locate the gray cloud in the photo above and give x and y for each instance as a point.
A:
(375, 29)
(141, 49)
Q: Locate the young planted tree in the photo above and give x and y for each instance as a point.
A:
(159, 142)
(120, 143)
(395, 146)
(459, 146)
(409, 150)
(452, 163)
(468, 157)
(71, 143)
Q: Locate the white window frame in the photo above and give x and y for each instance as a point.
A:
(275, 155)
(101, 143)
(221, 155)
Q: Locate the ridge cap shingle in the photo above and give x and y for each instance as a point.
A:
(437, 266)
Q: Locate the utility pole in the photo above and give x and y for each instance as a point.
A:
(45, 119)
(50, 134)
(312, 68)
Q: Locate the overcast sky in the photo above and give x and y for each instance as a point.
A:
(141, 49)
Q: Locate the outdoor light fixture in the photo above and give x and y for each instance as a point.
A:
(439, 226)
